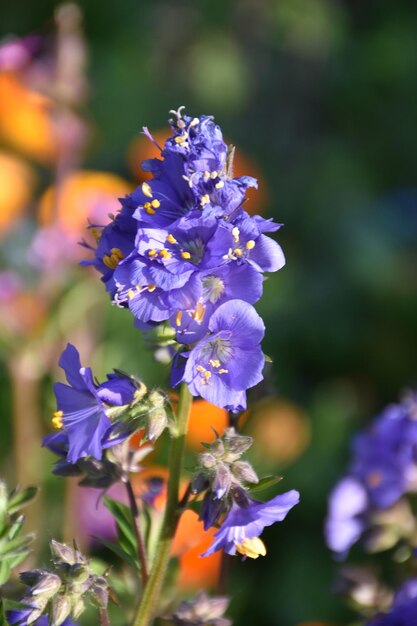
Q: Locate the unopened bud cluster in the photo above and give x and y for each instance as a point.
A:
(61, 591)
(222, 474)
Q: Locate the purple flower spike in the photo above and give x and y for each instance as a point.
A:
(214, 366)
(245, 522)
(82, 406)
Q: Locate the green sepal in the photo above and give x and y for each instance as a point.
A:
(265, 483)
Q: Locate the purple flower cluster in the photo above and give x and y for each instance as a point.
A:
(382, 470)
(183, 250)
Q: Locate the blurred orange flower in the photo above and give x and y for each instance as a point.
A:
(17, 180)
(142, 148)
(25, 121)
(191, 540)
(280, 429)
(83, 195)
(203, 418)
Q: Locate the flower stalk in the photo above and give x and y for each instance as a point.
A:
(159, 569)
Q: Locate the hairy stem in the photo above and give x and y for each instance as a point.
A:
(138, 533)
(104, 617)
(159, 569)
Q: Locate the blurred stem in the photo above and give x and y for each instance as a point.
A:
(138, 533)
(25, 385)
(172, 512)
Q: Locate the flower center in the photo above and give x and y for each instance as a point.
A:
(213, 289)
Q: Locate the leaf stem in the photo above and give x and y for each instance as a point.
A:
(172, 511)
(138, 533)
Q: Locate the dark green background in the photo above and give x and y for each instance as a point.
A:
(323, 96)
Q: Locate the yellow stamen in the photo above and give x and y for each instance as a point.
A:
(171, 239)
(152, 253)
(237, 252)
(214, 362)
(155, 203)
(207, 375)
(213, 175)
(194, 121)
(219, 185)
(113, 259)
(200, 369)
(96, 234)
(223, 371)
(147, 190)
(236, 233)
(178, 318)
(165, 254)
(250, 244)
(206, 175)
(181, 138)
(199, 313)
(151, 287)
(253, 548)
(57, 419)
(205, 199)
(148, 208)
(131, 294)
(186, 255)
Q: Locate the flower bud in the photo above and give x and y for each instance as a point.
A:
(48, 585)
(222, 481)
(62, 552)
(60, 610)
(207, 460)
(100, 592)
(157, 422)
(243, 471)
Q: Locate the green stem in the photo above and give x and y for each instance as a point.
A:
(156, 579)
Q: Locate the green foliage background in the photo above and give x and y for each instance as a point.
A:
(322, 95)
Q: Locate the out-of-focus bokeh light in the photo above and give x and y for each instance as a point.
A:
(83, 196)
(25, 121)
(17, 182)
(280, 429)
(204, 418)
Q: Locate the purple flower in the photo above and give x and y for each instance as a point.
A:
(82, 406)
(214, 368)
(345, 521)
(246, 520)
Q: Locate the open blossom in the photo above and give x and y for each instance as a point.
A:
(240, 530)
(229, 359)
(82, 406)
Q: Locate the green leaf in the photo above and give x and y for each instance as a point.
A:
(125, 524)
(16, 527)
(21, 499)
(120, 553)
(265, 483)
(4, 572)
(15, 546)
